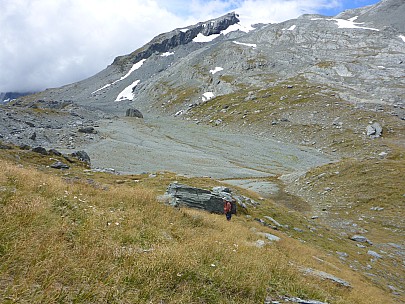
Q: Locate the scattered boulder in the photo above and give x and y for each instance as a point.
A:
(33, 136)
(54, 152)
(24, 147)
(5, 147)
(361, 239)
(182, 195)
(277, 224)
(133, 113)
(295, 300)
(260, 243)
(87, 130)
(82, 156)
(271, 237)
(59, 165)
(40, 150)
(374, 130)
(326, 276)
(374, 254)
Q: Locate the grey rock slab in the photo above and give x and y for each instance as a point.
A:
(183, 195)
(277, 224)
(271, 237)
(374, 254)
(166, 144)
(359, 238)
(327, 276)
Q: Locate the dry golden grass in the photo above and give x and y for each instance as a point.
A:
(68, 240)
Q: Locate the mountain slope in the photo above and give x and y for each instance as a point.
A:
(290, 111)
(385, 13)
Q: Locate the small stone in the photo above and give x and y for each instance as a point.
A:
(374, 254)
(273, 221)
(87, 130)
(359, 238)
(342, 255)
(271, 237)
(260, 243)
(33, 136)
(59, 165)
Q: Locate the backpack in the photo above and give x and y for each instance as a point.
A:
(227, 207)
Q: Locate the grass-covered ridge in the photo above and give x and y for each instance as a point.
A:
(67, 236)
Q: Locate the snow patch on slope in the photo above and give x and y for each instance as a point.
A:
(217, 69)
(342, 23)
(127, 93)
(253, 45)
(238, 27)
(133, 68)
(207, 96)
(201, 38)
(166, 54)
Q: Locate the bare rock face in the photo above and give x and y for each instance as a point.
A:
(175, 38)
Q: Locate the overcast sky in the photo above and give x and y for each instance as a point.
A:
(49, 43)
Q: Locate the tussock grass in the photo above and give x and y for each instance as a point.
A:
(71, 241)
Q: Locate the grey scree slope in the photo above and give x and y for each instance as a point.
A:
(167, 144)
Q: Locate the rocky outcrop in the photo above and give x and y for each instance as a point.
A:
(167, 41)
(179, 195)
(82, 156)
(133, 113)
(374, 130)
(40, 150)
(87, 130)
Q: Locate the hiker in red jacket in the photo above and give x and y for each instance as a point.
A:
(228, 209)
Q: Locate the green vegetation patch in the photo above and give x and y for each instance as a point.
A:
(65, 239)
(257, 104)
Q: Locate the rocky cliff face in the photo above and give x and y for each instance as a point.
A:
(168, 41)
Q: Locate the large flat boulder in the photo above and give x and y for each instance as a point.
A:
(182, 195)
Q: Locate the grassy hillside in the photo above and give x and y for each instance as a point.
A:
(79, 237)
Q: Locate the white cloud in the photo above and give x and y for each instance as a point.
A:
(48, 43)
